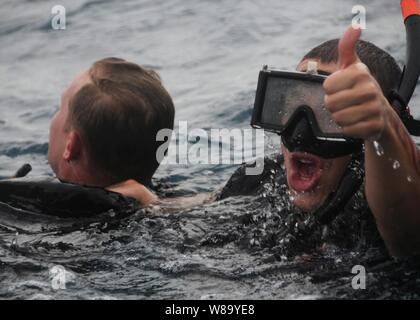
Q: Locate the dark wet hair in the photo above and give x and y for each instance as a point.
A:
(118, 116)
(380, 63)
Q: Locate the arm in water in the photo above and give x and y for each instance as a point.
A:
(146, 198)
(392, 159)
(133, 189)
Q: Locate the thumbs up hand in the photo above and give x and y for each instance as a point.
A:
(352, 94)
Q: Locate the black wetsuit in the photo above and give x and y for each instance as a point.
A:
(49, 196)
(293, 230)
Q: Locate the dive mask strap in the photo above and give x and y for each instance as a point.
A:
(411, 14)
(349, 185)
(400, 106)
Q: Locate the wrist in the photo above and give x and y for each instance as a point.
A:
(391, 122)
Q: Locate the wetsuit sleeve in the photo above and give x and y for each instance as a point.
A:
(242, 184)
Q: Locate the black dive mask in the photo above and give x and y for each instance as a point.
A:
(299, 136)
(291, 104)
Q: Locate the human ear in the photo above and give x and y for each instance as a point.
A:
(73, 146)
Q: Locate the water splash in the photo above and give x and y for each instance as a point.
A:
(254, 242)
(378, 148)
(396, 165)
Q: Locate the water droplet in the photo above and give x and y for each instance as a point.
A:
(324, 232)
(409, 179)
(378, 148)
(395, 165)
(15, 240)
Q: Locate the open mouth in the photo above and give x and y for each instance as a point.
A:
(305, 171)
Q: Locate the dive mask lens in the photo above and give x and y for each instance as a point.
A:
(292, 105)
(281, 95)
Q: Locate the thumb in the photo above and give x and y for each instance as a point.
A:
(347, 47)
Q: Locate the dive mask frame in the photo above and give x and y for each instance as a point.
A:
(304, 109)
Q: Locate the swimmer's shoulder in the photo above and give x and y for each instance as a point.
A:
(50, 196)
(133, 189)
(242, 184)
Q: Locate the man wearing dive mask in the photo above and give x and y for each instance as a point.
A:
(327, 136)
(316, 150)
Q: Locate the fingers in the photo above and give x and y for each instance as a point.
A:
(348, 62)
(365, 129)
(350, 97)
(347, 47)
(346, 79)
(359, 113)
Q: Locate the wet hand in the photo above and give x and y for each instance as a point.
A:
(353, 96)
(132, 188)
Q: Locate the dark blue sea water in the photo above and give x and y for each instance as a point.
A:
(208, 54)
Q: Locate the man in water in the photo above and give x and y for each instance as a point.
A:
(361, 76)
(104, 134)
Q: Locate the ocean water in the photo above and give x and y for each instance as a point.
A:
(208, 54)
